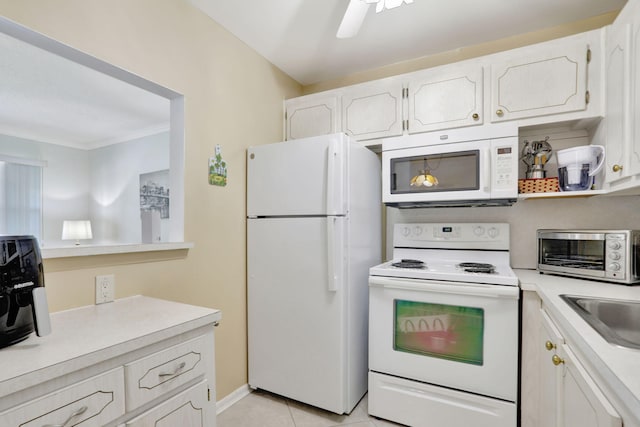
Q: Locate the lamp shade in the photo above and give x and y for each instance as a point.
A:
(76, 230)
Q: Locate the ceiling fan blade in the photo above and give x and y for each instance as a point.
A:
(352, 20)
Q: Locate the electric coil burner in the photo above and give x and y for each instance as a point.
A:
(409, 263)
(477, 267)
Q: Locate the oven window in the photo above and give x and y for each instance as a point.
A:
(457, 171)
(583, 254)
(444, 331)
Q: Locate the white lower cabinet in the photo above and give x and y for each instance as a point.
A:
(185, 409)
(93, 402)
(582, 403)
(557, 390)
(149, 363)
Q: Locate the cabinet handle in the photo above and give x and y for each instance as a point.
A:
(617, 168)
(175, 372)
(475, 116)
(500, 113)
(549, 345)
(71, 417)
(556, 360)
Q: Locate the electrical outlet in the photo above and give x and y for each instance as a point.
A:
(105, 288)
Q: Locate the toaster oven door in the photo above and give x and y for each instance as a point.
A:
(580, 254)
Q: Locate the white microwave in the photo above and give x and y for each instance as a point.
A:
(463, 168)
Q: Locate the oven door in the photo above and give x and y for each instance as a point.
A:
(457, 335)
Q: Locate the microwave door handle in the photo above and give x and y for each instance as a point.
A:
(486, 170)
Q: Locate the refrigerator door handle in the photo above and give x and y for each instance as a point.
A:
(332, 160)
(332, 285)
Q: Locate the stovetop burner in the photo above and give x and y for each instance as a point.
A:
(477, 267)
(409, 263)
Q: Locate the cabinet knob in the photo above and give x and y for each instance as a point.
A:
(475, 116)
(500, 113)
(556, 360)
(549, 345)
(617, 168)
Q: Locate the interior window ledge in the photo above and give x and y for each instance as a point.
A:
(87, 250)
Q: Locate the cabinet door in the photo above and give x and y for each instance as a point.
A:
(635, 87)
(312, 116)
(373, 110)
(617, 102)
(185, 409)
(583, 404)
(544, 80)
(550, 385)
(444, 98)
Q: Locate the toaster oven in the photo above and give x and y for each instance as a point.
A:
(607, 255)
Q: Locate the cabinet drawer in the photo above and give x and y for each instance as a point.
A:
(155, 375)
(93, 402)
(185, 409)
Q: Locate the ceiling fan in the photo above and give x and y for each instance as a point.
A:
(357, 10)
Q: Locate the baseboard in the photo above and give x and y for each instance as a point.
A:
(232, 398)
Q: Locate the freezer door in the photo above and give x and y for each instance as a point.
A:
(296, 300)
(301, 177)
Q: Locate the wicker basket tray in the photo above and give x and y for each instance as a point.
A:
(538, 185)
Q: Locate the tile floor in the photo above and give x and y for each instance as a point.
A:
(262, 409)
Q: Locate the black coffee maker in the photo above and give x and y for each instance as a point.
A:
(23, 303)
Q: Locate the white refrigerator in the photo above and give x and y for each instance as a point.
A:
(313, 231)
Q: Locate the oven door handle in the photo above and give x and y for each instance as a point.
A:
(475, 289)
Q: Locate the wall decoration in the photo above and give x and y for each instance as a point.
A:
(154, 192)
(217, 169)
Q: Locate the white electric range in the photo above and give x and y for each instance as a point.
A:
(443, 328)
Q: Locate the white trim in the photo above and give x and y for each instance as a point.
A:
(86, 250)
(234, 397)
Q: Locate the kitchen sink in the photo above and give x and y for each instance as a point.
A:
(618, 321)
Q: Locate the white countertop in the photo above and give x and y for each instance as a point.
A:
(616, 368)
(84, 336)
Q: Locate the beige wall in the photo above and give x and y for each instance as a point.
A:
(467, 52)
(233, 97)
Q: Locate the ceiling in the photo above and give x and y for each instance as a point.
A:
(298, 36)
(48, 98)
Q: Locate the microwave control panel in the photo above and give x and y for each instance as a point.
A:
(504, 167)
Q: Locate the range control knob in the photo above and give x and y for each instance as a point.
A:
(417, 230)
(406, 231)
(614, 266)
(478, 231)
(614, 255)
(614, 244)
(493, 232)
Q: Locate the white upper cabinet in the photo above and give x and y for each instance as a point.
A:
(373, 110)
(312, 115)
(622, 121)
(548, 78)
(445, 97)
(617, 102)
